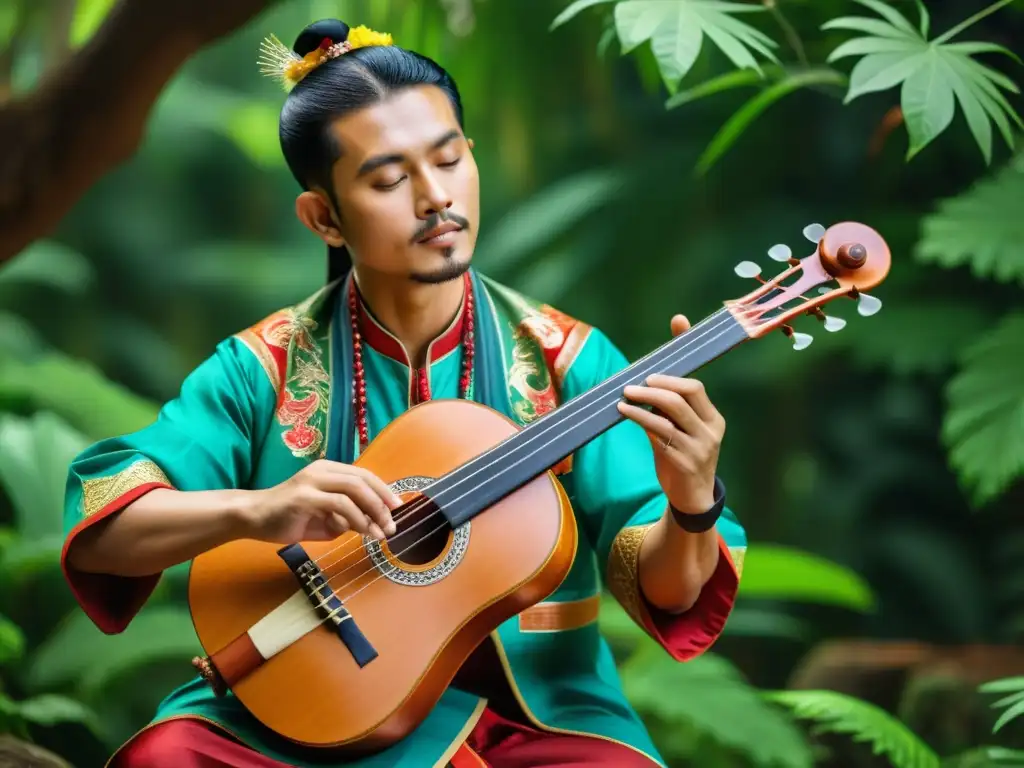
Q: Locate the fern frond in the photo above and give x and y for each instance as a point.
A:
(838, 713)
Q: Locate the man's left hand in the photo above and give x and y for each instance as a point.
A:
(686, 432)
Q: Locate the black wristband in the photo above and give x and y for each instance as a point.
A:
(705, 521)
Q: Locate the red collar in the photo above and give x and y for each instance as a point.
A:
(383, 341)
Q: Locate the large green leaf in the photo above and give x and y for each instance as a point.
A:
(778, 572)
(1013, 702)
(838, 713)
(709, 695)
(734, 127)
(935, 75)
(676, 31)
(48, 263)
(12, 641)
(924, 337)
(984, 425)
(76, 391)
(78, 653)
(34, 457)
(89, 15)
(534, 226)
(981, 228)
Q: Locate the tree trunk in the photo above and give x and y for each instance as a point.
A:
(88, 116)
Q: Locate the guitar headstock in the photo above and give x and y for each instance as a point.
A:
(850, 258)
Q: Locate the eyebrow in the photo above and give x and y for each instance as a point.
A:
(377, 161)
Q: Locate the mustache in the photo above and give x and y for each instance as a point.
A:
(436, 218)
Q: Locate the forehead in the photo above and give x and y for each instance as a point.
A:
(406, 122)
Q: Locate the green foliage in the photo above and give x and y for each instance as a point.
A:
(34, 455)
(707, 698)
(89, 14)
(76, 391)
(837, 713)
(984, 427)
(934, 75)
(979, 228)
(44, 710)
(676, 32)
(1014, 702)
(776, 572)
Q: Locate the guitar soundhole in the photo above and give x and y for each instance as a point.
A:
(423, 535)
(425, 549)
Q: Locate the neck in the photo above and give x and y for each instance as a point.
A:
(414, 313)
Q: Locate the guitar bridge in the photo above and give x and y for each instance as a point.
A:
(327, 604)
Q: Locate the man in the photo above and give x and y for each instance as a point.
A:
(260, 441)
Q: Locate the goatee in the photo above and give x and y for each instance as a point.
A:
(452, 270)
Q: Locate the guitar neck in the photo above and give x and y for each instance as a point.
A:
(488, 478)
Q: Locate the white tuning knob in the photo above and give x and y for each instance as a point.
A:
(833, 324)
(801, 340)
(868, 305)
(780, 252)
(747, 269)
(814, 233)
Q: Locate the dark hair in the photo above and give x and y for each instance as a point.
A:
(349, 82)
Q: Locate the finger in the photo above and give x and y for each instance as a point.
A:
(343, 505)
(656, 426)
(691, 389)
(363, 494)
(679, 325)
(389, 497)
(335, 525)
(672, 405)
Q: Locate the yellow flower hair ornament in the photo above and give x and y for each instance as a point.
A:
(282, 63)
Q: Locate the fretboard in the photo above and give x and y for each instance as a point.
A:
(488, 478)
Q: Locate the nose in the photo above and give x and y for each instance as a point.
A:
(433, 198)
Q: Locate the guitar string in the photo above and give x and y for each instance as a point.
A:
(345, 600)
(425, 502)
(558, 417)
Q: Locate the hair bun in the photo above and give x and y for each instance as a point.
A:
(310, 38)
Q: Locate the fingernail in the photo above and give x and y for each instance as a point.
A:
(391, 528)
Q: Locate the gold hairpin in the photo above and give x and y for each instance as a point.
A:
(281, 63)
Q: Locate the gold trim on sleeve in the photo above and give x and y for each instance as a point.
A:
(624, 569)
(99, 492)
(737, 554)
(560, 616)
(255, 344)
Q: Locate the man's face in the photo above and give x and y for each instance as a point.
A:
(407, 173)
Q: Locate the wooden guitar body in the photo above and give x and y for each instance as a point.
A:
(343, 646)
(422, 618)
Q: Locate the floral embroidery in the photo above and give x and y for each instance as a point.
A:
(287, 345)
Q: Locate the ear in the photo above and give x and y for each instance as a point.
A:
(312, 209)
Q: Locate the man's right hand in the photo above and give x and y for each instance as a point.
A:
(321, 502)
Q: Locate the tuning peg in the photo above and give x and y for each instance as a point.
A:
(814, 233)
(747, 269)
(801, 340)
(833, 324)
(867, 305)
(780, 252)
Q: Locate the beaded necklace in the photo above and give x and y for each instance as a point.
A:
(359, 375)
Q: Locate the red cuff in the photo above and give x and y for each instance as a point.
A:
(689, 634)
(110, 601)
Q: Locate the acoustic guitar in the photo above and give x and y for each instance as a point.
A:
(347, 645)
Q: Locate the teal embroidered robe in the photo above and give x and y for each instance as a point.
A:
(258, 410)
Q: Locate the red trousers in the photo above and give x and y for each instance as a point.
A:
(501, 738)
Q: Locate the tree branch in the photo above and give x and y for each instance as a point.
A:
(89, 115)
